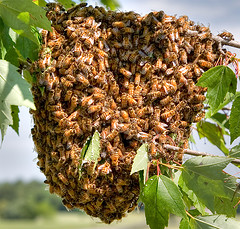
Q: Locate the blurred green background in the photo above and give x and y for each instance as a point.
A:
(29, 205)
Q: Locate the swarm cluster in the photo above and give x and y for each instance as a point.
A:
(133, 79)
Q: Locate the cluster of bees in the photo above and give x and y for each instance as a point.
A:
(133, 79)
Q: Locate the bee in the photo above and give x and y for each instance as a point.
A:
(59, 115)
(125, 72)
(208, 45)
(169, 71)
(164, 67)
(182, 80)
(183, 56)
(174, 127)
(73, 103)
(113, 105)
(126, 42)
(114, 158)
(143, 136)
(95, 108)
(197, 71)
(87, 101)
(137, 78)
(66, 83)
(125, 116)
(159, 63)
(104, 169)
(204, 35)
(166, 100)
(132, 112)
(106, 115)
(123, 128)
(167, 115)
(197, 99)
(63, 178)
(205, 64)
(118, 24)
(159, 127)
(114, 89)
(210, 56)
(133, 56)
(152, 149)
(112, 135)
(131, 101)
(124, 100)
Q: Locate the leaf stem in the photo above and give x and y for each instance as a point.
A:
(195, 153)
(171, 166)
(199, 220)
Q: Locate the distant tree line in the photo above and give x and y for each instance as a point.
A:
(21, 200)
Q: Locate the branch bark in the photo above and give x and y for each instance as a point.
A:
(195, 153)
(218, 39)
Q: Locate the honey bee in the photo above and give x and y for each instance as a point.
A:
(104, 169)
(118, 24)
(87, 101)
(197, 98)
(126, 42)
(131, 101)
(167, 115)
(63, 178)
(204, 35)
(66, 83)
(159, 127)
(125, 116)
(182, 80)
(166, 100)
(183, 56)
(112, 135)
(95, 108)
(124, 100)
(205, 64)
(125, 72)
(113, 105)
(132, 112)
(59, 115)
(143, 136)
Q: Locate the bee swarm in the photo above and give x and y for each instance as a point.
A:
(133, 79)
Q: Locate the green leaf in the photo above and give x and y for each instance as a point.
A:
(184, 224)
(228, 98)
(224, 206)
(14, 90)
(7, 44)
(221, 120)
(140, 161)
(41, 3)
(235, 119)
(141, 184)
(20, 15)
(15, 118)
(156, 214)
(219, 80)
(93, 150)
(5, 117)
(215, 221)
(27, 48)
(213, 133)
(112, 4)
(170, 196)
(235, 151)
(67, 3)
(191, 195)
(204, 176)
(83, 153)
(191, 139)
(27, 76)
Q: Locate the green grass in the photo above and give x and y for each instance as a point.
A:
(73, 220)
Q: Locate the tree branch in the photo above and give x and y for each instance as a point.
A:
(195, 153)
(218, 39)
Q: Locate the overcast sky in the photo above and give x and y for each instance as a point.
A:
(17, 156)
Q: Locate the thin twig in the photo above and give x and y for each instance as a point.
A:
(223, 109)
(218, 39)
(195, 153)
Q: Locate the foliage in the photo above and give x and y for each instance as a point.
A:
(20, 200)
(186, 191)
